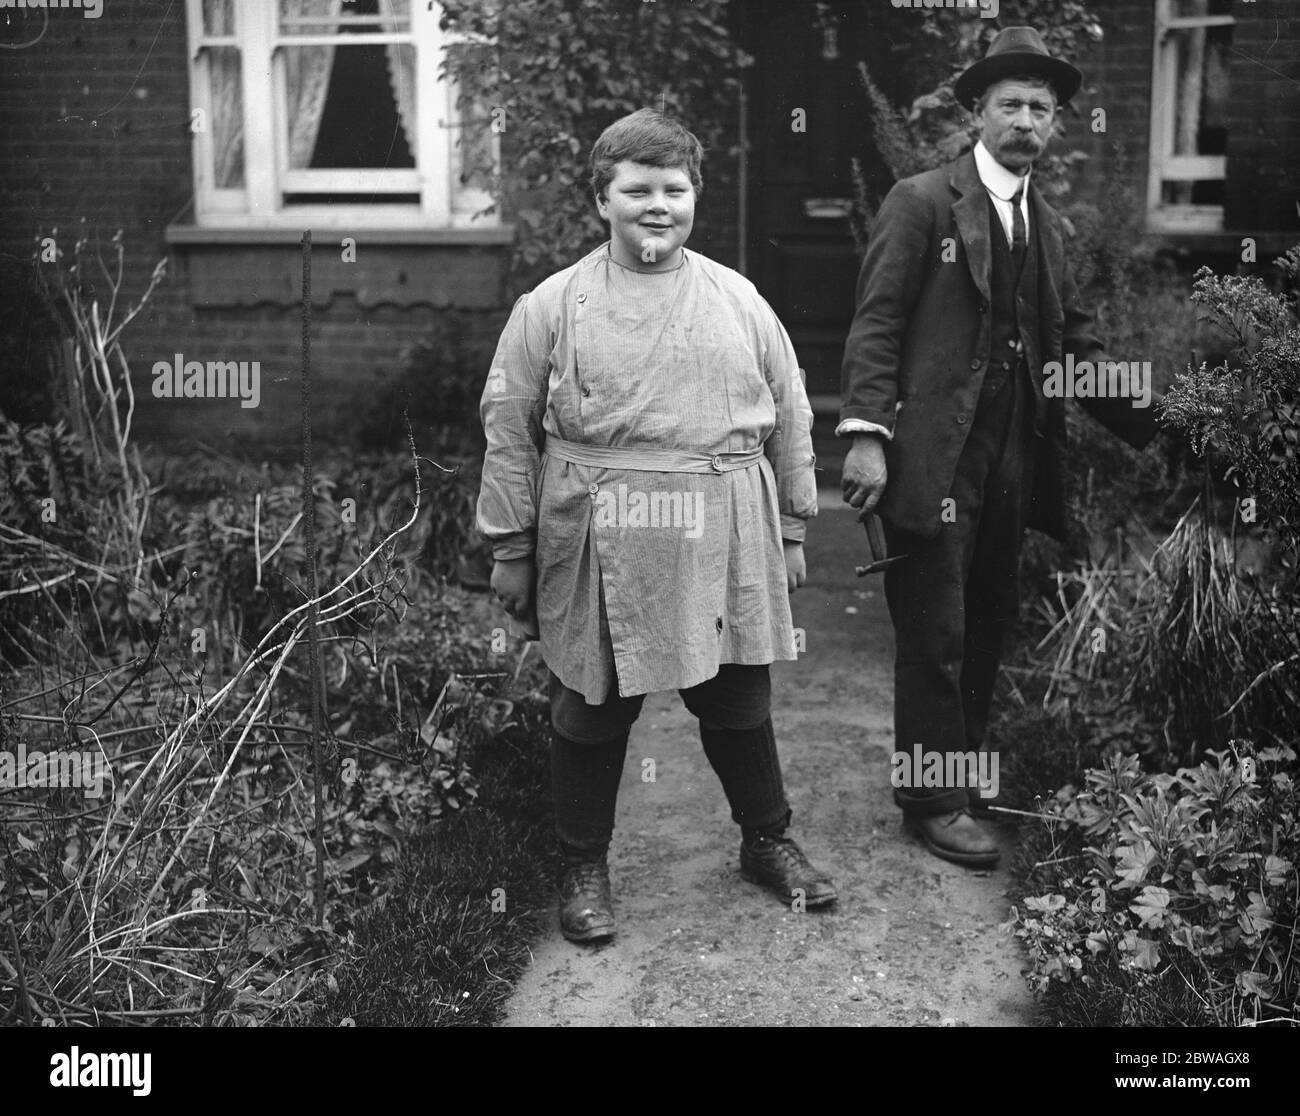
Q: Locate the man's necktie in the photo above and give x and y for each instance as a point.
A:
(1018, 239)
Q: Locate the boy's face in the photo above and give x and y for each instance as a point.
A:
(650, 211)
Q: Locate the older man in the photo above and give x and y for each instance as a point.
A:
(965, 294)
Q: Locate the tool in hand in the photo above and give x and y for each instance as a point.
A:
(880, 557)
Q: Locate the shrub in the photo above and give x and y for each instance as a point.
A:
(561, 71)
(436, 388)
(1247, 409)
(1165, 885)
(1169, 895)
(167, 642)
(44, 496)
(1205, 652)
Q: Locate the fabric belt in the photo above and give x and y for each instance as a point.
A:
(649, 460)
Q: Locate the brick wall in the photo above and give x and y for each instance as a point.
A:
(1117, 79)
(94, 124)
(1264, 137)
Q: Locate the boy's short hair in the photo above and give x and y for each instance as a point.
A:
(646, 137)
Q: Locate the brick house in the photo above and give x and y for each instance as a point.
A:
(213, 131)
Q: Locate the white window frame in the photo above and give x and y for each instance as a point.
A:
(1164, 165)
(443, 201)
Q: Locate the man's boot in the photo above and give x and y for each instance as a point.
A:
(955, 836)
(586, 908)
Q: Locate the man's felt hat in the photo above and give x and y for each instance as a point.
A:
(1017, 50)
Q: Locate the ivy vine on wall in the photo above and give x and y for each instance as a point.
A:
(547, 76)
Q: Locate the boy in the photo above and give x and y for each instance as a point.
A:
(648, 472)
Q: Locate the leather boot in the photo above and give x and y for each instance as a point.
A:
(586, 908)
(779, 865)
(955, 836)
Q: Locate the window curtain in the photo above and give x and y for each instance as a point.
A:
(395, 15)
(224, 77)
(307, 78)
(1190, 92)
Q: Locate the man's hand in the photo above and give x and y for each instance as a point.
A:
(512, 583)
(796, 570)
(863, 478)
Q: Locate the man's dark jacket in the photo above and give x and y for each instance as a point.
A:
(919, 343)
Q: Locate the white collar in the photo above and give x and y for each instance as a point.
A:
(998, 180)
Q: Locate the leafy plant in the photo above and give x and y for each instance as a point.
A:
(44, 496)
(1167, 882)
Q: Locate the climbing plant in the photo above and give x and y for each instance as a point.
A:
(547, 76)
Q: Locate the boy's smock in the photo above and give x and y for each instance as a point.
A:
(680, 454)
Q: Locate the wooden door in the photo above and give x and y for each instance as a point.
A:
(807, 117)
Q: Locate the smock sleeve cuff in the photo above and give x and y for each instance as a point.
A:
(507, 550)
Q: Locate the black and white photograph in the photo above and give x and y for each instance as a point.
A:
(768, 514)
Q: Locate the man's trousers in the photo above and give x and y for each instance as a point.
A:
(953, 597)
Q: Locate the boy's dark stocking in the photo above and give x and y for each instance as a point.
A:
(584, 781)
(749, 769)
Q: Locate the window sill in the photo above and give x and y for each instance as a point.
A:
(274, 234)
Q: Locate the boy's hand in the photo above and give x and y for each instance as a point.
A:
(512, 583)
(796, 570)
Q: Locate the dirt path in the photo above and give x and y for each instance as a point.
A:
(912, 941)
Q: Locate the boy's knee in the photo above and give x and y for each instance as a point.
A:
(574, 719)
(737, 698)
(590, 731)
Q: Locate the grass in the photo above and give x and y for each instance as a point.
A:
(447, 943)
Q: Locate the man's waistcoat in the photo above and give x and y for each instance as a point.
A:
(1013, 286)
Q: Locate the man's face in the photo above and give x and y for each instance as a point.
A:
(651, 211)
(1016, 122)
